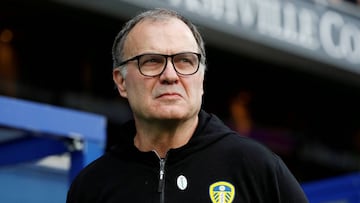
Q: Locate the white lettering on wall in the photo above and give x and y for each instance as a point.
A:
(329, 23)
(195, 6)
(340, 40)
(308, 32)
(217, 9)
(350, 43)
(290, 22)
(269, 17)
(285, 21)
(231, 15)
(247, 12)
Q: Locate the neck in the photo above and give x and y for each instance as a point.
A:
(162, 137)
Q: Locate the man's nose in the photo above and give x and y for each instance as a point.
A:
(169, 70)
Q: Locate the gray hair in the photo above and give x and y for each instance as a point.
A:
(154, 14)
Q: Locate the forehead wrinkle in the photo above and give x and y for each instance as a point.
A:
(173, 32)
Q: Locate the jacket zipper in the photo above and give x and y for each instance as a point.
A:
(161, 188)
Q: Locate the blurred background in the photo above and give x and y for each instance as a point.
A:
(284, 72)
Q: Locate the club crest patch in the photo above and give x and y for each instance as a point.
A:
(222, 192)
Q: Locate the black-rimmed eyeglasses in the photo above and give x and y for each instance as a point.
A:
(185, 63)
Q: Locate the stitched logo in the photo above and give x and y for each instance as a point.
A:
(222, 192)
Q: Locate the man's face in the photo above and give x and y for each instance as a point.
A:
(168, 96)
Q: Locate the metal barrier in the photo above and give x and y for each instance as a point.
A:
(31, 131)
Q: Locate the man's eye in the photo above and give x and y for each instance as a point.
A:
(152, 60)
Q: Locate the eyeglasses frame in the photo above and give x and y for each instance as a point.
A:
(137, 57)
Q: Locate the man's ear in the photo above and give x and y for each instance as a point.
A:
(119, 82)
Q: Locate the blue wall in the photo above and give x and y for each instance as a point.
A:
(28, 183)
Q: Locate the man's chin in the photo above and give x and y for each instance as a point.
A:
(169, 114)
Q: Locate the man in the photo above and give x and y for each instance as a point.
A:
(173, 151)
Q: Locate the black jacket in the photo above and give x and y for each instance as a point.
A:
(217, 165)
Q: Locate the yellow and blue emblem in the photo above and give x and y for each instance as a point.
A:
(222, 192)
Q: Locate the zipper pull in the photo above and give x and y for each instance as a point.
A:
(161, 175)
